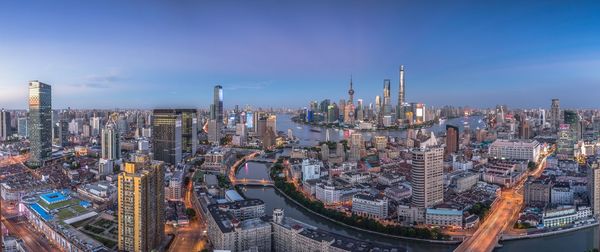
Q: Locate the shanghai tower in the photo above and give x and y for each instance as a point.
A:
(401, 99)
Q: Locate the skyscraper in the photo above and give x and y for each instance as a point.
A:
(401, 93)
(555, 116)
(524, 129)
(22, 127)
(110, 142)
(167, 135)
(95, 124)
(5, 128)
(40, 122)
(594, 187)
(141, 207)
(427, 175)
(356, 145)
(216, 109)
(189, 130)
(387, 100)
(452, 139)
(214, 133)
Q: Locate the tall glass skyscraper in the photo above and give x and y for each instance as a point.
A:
(167, 135)
(216, 109)
(40, 122)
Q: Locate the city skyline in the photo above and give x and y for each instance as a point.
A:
(97, 55)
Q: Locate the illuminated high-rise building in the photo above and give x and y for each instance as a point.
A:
(427, 176)
(167, 135)
(141, 206)
(40, 122)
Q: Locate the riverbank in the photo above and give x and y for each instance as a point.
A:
(546, 234)
(447, 242)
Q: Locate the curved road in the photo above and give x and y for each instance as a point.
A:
(502, 215)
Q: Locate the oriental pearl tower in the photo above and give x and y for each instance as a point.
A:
(349, 111)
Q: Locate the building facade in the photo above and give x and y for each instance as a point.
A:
(370, 206)
(427, 177)
(40, 122)
(141, 206)
(167, 136)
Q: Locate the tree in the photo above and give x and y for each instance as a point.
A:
(190, 212)
(531, 165)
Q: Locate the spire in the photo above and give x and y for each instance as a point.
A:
(351, 90)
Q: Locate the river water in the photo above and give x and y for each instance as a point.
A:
(577, 241)
(311, 135)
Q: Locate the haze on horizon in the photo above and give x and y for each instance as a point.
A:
(146, 54)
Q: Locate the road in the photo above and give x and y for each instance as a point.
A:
(233, 168)
(193, 236)
(503, 215)
(10, 160)
(20, 228)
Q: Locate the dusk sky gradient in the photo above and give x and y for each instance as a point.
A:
(147, 54)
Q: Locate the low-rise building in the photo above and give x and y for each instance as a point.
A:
(515, 149)
(564, 215)
(174, 192)
(444, 217)
(228, 232)
(537, 192)
(102, 191)
(52, 214)
(218, 159)
(329, 193)
(292, 236)
(398, 193)
(389, 178)
(464, 181)
(311, 169)
(561, 195)
(356, 177)
(367, 205)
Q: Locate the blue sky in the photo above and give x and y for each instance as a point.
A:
(107, 54)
